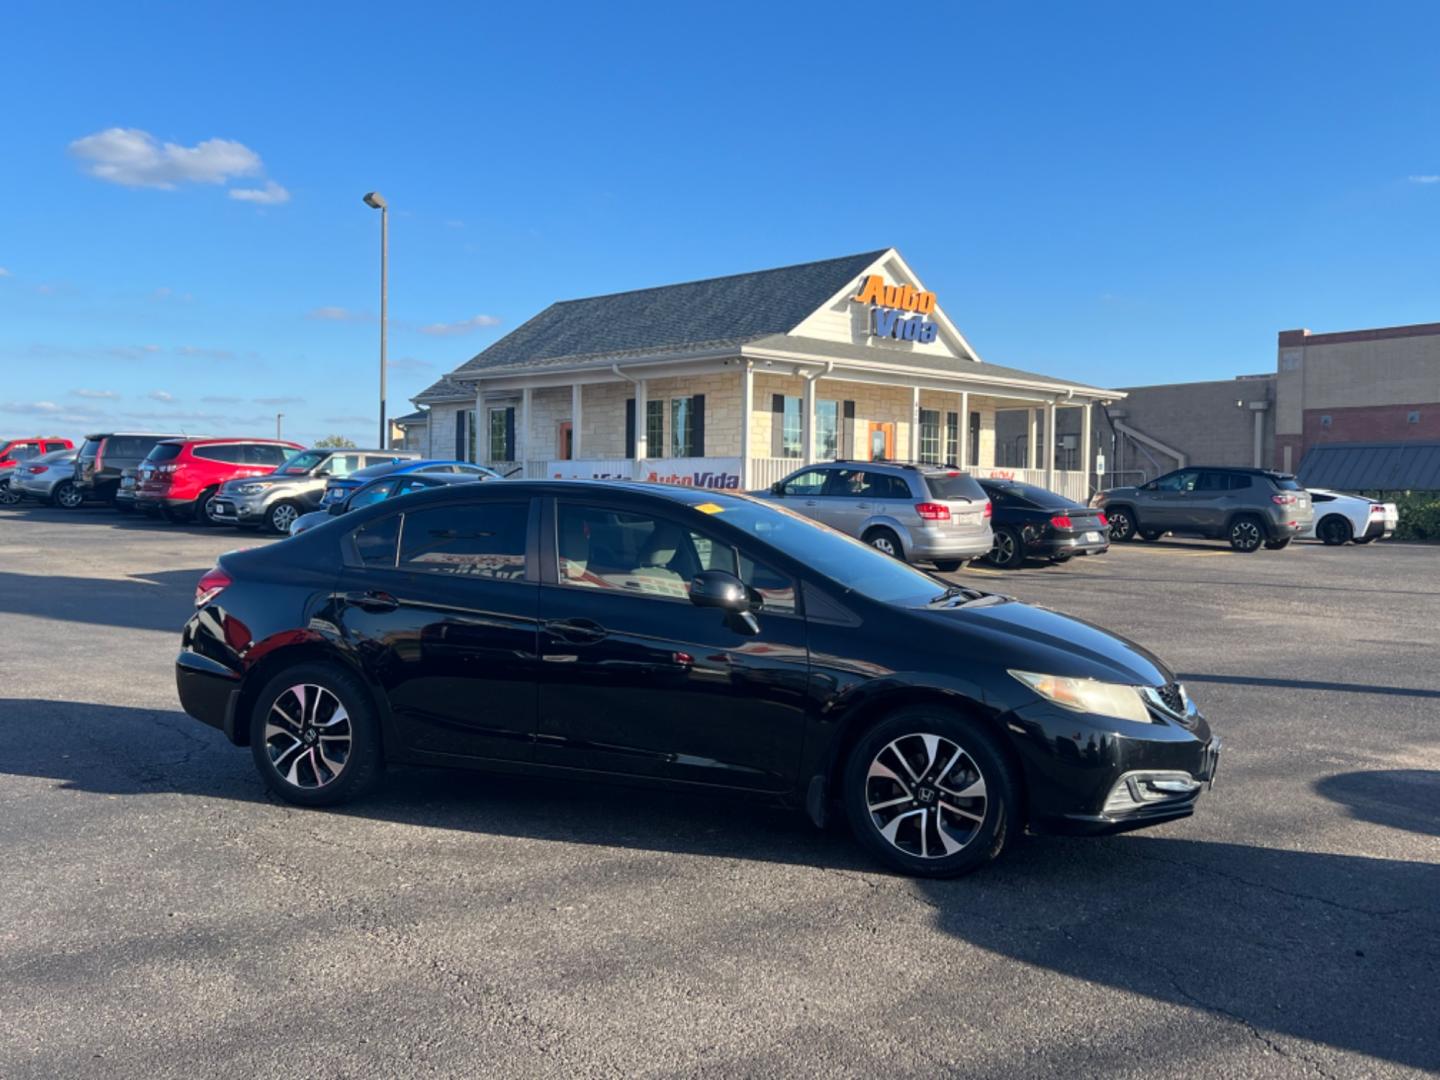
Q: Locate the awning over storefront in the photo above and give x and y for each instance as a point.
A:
(1394, 466)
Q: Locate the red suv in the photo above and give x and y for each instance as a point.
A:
(18, 450)
(179, 477)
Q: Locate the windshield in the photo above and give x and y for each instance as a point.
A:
(301, 463)
(854, 565)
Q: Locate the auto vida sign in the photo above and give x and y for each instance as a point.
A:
(890, 307)
(718, 474)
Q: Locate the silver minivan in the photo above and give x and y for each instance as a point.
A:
(918, 513)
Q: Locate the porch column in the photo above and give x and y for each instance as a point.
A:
(807, 421)
(575, 395)
(963, 460)
(522, 451)
(430, 432)
(747, 403)
(1032, 455)
(1050, 446)
(915, 423)
(482, 446)
(642, 449)
(1087, 452)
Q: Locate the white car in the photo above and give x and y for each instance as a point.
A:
(1340, 518)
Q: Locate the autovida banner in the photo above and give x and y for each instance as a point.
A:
(716, 474)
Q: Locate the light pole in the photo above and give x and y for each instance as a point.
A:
(376, 201)
(278, 417)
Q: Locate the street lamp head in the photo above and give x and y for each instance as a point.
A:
(375, 200)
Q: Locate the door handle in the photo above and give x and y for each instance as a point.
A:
(581, 631)
(372, 601)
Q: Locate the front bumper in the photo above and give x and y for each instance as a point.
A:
(1093, 775)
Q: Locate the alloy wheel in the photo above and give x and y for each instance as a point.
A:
(883, 543)
(1002, 548)
(282, 517)
(1245, 535)
(307, 736)
(7, 497)
(925, 795)
(68, 496)
(1122, 526)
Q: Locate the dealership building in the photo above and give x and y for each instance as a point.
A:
(733, 382)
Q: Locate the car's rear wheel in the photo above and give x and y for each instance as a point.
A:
(66, 495)
(202, 505)
(7, 497)
(948, 566)
(1122, 524)
(315, 737)
(1277, 545)
(1246, 533)
(1363, 539)
(1007, 550)
(1150, 535)
(1334, 530)
(281, 516)
(929, 792)
(885, 540)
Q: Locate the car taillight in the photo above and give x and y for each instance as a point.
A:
(1060, 521)
(99, 455)
(1104, 522)
(1377, 509)
(38, 468)
(933, 511)
(989, 509)
(1283, 500)
(212, 584)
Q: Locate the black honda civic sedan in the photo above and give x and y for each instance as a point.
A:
(671, 636)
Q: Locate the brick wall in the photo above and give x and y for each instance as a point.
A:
(1371, 423)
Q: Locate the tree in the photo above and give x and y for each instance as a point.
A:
(338, 442)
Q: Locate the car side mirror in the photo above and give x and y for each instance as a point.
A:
(336, 509)
(777, 488)
(719, 589)
(1148, 487)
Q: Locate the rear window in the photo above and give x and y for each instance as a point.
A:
(164, 452)
(948, 486)
(90, 449)
(1286, 483)
(128, 446)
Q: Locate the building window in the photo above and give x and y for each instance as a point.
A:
(827, 430)
(1413, 418)
(1325, 420)
(682, 427)
(792, 442)
(496, 431)
(930, 436)
(655, 428)
(952, 438)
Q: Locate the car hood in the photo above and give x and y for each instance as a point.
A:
(1029, 638)
(1118, 493)
(269, 480)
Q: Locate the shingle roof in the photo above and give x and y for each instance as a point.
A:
(724, 310)
(444, 389)
(416, 417)
(1392, 466)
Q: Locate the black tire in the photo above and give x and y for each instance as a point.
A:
(1363, 539)
(902, 735)
(303, 774)
(1246, 533)
(1058, 559)
(8, 497)
(1335, 530)
(122, 507)
(1122, 524)
(882, 539)
(1277, 545)
(174, 516)
(1008, 549)
(66, 495)
(280, 516)
(948, 566)
(1150, 535)
(202, 506)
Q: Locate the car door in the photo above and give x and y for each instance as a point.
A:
(640, 681)
(1211, 502)
(850, 498)
(440, 602)
(1166, 501)
(803, 492)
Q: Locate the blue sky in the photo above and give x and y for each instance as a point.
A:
(1121, 193)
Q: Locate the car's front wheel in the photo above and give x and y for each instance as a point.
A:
(1246, 533)
(885, 540)
(929, 792)
(281, 516)
(315, 736)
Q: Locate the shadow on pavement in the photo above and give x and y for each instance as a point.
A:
(161, 601)
(1310, 684)
(1335, 949)
(1399, 798)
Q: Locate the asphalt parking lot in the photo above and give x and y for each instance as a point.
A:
(160, 916)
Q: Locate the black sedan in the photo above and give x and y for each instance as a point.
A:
(678, 637)
(1033, 522)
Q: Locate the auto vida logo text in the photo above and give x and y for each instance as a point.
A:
(890, 302)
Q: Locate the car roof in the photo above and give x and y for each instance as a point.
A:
(141, 434)
(442, 478)
(191, 440)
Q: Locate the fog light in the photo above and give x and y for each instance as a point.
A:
(1137, 789)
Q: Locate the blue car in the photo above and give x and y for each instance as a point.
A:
(341, 487)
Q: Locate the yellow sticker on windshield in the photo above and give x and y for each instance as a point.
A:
(710, 508)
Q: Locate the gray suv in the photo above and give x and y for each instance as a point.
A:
(918, 513)
(1248, 507)
(275, 500)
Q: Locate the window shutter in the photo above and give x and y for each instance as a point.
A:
(630, 427)
(777, 425)
(847, 429)
(697, 425)
(460, 435)
(510, 433)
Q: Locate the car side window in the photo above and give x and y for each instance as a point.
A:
(653, 556)
(845, 483)
(886, 486)
(269, 454)
(811, 483)
(372, 495)
(480, 540)
(1213, 481)
(51, 447)
(414, 483)
(376, 541)
(1240, 481)
(1322, 498)
(1178, 481)
(432, 469)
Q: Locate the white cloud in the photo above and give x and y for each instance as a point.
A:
(96, 395)
(277, 400)
(135, 158)
(221, 399)
(205, 354)
(160, 395)
(337, 314)
(1426, 178)
(462, 327)
(4, 272)
(31, 408)
(409, 363)
(272, 194)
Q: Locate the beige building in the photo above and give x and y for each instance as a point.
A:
(734, 382)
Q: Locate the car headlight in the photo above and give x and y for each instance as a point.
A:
(1089, 695)
(251, 489)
